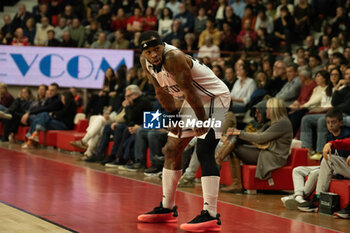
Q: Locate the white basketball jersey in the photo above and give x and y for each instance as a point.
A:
(204, 79)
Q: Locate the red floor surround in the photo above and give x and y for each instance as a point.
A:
(89, 201)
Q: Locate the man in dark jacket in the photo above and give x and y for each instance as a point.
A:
(52, 104)
(135, 104)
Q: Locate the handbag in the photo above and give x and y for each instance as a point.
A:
(329, 203)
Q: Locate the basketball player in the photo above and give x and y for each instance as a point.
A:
(176, 76)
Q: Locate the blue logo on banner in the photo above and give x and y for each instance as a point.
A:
(152, 120)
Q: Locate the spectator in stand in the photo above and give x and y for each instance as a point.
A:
(270, 9)
(246, 32)
(315, 64)
(51, 41)
(314, 102)
(77, 32)
(233, 19)
(190, 44)
(60, 29)
(135, 22)
(120, 41)
(264, 21)
(62, 119)
(242, 89)
(209, 49)
(333, 162)
(92, 9)
(68, 14)
(210, 30)
(271, 143)
(105, 18)
(102, 42)
(149, 20)
(186, 18)
(173, 5)
(119, 21)
(20, 18)
(279, 78)
(220, 12)
(228, 38)
(19, 39)
(283, 28)
(41, 32)
(29, 30)
(43, 12)
(40, 98)
(229, 77)
(7, 28)
(341, 21)
(176, 33)
(6, 99)
(311, 121)
(284, 3)
(165, 22)
(68, 41)
(347, 54)
(134, 43)
(77, 98)
(325, 43)
(335, 47)
(7, 39)
(249, 15)
(249, 45)
(310, 46)
(12, 116)
(91, 33)
(135, 104)
(259, 94)
(263, 42)
(291, 89)
(52, 103)
(302, 19)
(238, 7)
(200, 21)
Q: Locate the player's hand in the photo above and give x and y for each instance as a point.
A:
(200, 130)
(327, 151)
(113, 125)
(348, 161)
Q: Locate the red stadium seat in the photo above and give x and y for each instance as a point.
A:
(281, 178)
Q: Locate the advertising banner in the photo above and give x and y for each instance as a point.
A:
(68, 67)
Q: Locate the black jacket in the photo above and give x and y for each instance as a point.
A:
(51, 104)
(66, 114)
(134, 112)
(341, 100)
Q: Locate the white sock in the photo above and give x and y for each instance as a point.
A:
(210, 188)
(169, 183)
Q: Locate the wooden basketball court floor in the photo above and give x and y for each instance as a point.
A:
(44, 190)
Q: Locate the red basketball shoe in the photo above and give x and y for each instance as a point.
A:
(159, 215)
(202, 223)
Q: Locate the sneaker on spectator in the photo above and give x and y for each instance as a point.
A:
(344, 213)
(116, 163)
(159, 215)
(152, 171)
(133, 167)
(108, 159)
(79, 144)
(185, 182)
(290, 202)
(203, 223)
(309, 206)
(94, 158)
(12, 138)
(316, 156)
(5, 115)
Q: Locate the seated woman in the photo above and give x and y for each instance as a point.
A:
(58, 120)
(242, 89)
(314, 102)
(268, 148)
